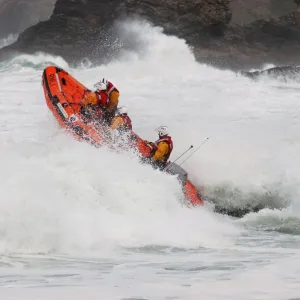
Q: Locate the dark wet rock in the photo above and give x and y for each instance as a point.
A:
(274, 41)
(88, 29)
(236, 34)
(237, 212)
(245, 12)
(284, 73)
(232, 201)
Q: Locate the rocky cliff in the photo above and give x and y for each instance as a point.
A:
(88, 29)
(276, 40)
(234, 34)
(18, 15)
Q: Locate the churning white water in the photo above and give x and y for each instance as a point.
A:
(78, 222)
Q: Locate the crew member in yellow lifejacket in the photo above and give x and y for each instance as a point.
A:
(163, 148)
(122, 129)
(121, 121)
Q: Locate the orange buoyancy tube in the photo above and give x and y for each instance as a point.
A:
(191, 194)
(63, 94)
(144, 148)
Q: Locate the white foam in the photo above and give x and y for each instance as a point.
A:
(71, 197)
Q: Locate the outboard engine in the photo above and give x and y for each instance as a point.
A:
(175, 169)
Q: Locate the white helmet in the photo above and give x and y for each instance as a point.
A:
(162, 130)
(101, 85)
(121, 110)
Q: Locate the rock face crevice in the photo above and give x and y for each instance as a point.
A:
(236, 34)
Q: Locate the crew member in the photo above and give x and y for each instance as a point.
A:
(163, 148)
(121, 121)
(105, 98)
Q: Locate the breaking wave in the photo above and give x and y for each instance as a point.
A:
(72, 197)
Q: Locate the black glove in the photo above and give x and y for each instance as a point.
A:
(107, 116)
(133, 138)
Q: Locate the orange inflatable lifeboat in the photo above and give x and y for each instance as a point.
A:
(63, 94)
